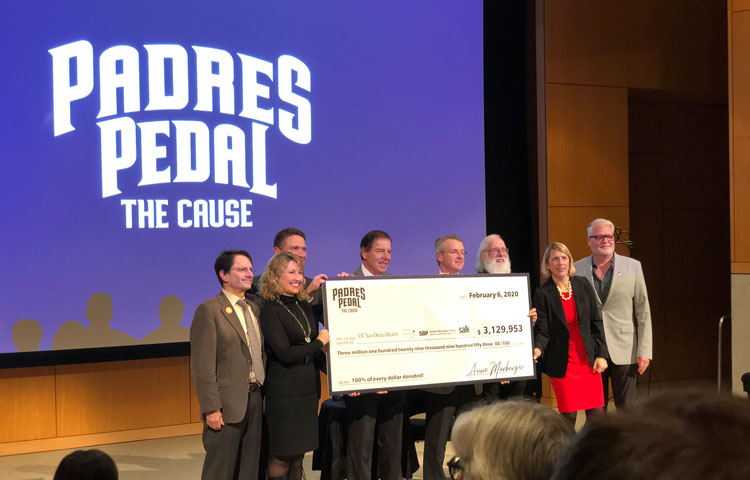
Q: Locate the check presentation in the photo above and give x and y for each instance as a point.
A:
(389, 333)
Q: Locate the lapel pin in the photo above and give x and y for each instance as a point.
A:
(228, 310)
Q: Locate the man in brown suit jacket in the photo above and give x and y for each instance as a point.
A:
(227, 363)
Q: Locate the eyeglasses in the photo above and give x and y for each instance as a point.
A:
(497, 250)
(243, 271)
(455, 252)
(455, 468)
(599, 238)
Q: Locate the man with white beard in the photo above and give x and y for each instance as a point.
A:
(492, 257)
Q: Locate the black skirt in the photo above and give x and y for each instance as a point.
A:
(292, 423)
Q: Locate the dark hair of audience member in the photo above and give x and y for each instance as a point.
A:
(676, 436)
(86, 465)
(513, 440)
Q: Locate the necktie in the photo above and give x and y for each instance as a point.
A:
(253, 340)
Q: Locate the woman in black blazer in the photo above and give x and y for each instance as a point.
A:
(569, 335)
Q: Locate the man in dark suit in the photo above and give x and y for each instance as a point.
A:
(293, 240)
(442, 403)
(494, 257)
(227, 364)
(379, 413)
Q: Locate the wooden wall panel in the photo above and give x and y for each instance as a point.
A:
(106, 397)
(740, 74)
(95, 439)
(670, 44)
(587, 146)
(741, 185)
(690, 354)
(741, 189)
(27, 403)
(740, 121)
(585, 42)
(568, 225)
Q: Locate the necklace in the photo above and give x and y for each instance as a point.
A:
(568, 293)
(307, 322)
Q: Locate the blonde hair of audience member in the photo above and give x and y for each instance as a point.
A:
(274, 269)
(560, 247)
(513, 440)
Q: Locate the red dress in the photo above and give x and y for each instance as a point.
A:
(580, 388)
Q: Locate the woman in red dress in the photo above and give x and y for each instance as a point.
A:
(569, 335)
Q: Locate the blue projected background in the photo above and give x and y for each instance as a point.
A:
(136, 138)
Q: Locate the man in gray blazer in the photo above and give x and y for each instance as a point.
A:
(227, 364)
(374, 414)
(622, 297)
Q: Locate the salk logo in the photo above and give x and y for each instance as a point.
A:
(464, 329)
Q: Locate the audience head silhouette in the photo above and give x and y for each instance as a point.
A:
(99, 309)
(27, 335)
(171, 310)
(86, 465)
(675, 436)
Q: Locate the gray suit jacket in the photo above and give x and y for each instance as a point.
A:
(626, 314)
(220, 357)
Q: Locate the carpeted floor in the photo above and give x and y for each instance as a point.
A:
(178, 458)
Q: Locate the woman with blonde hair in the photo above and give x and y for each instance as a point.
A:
(294, 350)
(513, 440)
(569, 335)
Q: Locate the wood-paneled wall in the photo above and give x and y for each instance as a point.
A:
(67, 406)
(597, 54)
(585, 49)
(587, 118)
(739, 148)
(71, 406)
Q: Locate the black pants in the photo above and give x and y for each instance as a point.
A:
(441, 409)
(370, 415)
(623, 379)
(496, 391)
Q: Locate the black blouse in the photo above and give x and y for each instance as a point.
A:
(291, 367)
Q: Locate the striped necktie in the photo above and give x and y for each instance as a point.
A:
(254, 342)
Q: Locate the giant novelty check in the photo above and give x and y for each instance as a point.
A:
(398, 332)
